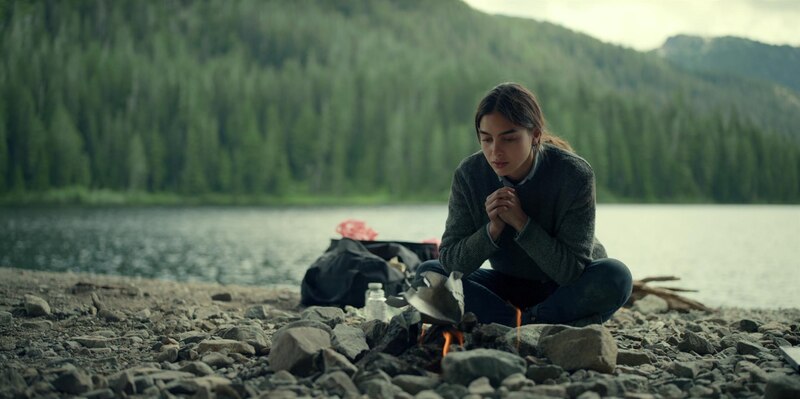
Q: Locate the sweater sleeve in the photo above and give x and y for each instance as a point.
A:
(464, 247)
(564, 256)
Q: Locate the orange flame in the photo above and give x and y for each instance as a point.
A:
(421, 335)
(447, 338)
(519, 323)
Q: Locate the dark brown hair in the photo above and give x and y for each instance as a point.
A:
(520, 107)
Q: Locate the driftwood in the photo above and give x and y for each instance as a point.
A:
(669, 294)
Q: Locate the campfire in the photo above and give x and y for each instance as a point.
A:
(440, 304)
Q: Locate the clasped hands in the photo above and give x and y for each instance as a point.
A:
(504, 208)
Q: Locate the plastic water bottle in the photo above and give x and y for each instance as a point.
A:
(375, 302)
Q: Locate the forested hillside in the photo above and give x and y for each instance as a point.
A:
(305, 99)
(737, 56)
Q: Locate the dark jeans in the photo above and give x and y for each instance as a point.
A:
(604, 287)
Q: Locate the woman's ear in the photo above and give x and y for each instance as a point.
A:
(537, 137)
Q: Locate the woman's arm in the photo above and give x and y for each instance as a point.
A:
(464, 248)
(564, 256)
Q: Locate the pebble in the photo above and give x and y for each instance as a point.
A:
(5, 318)
(188, 344)
(222, 297)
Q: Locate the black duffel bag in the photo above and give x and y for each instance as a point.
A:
(340, 276)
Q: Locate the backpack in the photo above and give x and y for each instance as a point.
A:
(340, 276)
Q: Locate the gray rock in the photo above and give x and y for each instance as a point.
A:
(260, 312)
(481, 386)
(651, 304)
(389, 364)
(376, 384)
(5, 318)
(104, 393)
(428, 394)
(558, 391)
(517, 382)
(168, 353)
(11, 381)
(452, 391)
(301, 323)
(749, 348)
(283, 378)
(143, 382)
(199, 385)
(590, 347)
(464, 367)
(692, 342)
(253, 335)
(192, 337)
(91, 341)
(350, 341)
(294, 350)
(492, 335)
(111, 315)
(338, 383)
(403, 332)
(415, 384)
(329, 315)
(757, 374)
(74, 382)
(217, 360)
(748, 325)
(226, 346)
(589, 394)
(35, 306)
(199, 369)
(699, 391)
(685, 369)
(222, 297)
(774, 327)
(122, 383)
(633, 358)
(783, 386)
(41, 325)
(374, 330)
(335, 361)
(525, 339)
(539, 373)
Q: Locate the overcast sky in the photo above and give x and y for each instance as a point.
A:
(645, 24)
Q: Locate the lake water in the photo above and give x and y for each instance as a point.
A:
(734, 255)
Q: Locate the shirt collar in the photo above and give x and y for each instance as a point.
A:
(508, 183)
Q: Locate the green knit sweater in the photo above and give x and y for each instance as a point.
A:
(558, 241)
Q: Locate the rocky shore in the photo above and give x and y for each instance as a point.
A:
(91, 336)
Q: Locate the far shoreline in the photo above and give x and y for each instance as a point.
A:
(81, 197)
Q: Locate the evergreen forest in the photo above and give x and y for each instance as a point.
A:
(287, 101)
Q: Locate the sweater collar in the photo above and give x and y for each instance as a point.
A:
(537, 159)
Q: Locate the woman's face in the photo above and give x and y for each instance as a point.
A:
(506, 146)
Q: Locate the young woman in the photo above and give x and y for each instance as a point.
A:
(526, 203)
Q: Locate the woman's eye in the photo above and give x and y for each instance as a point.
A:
(510, 140)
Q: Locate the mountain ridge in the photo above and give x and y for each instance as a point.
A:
(737, 56)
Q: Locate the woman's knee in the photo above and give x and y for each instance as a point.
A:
(616, 276)
(432, 265)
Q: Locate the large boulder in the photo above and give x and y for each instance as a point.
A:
(590, 347)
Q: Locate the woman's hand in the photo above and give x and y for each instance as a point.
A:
(508, 208)
(493, 209)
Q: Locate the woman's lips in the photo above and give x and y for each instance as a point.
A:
(499, 165)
